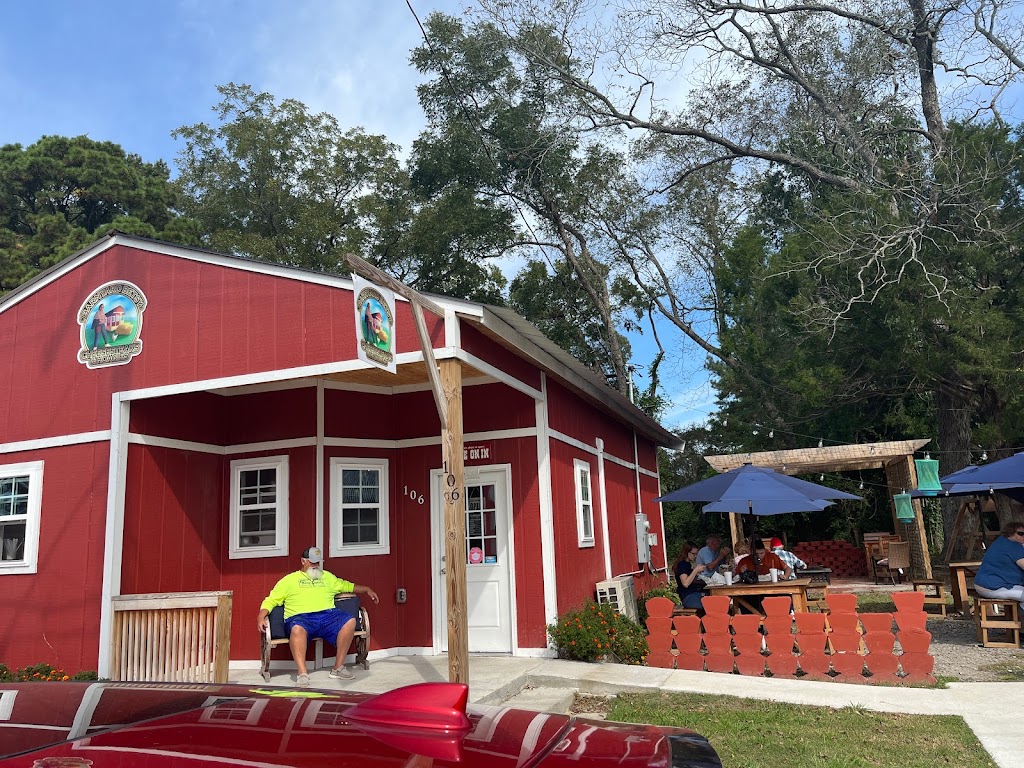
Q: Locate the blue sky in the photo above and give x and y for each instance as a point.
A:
(132, 72)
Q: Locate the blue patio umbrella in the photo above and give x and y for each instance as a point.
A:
(1007, 471)
(757, 491)
(763, 491)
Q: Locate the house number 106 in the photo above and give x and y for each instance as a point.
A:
(417, 497)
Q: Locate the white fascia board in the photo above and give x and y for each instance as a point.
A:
(58, 441)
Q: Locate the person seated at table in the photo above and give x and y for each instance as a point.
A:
(712, 556)
(740, 549)
(765, 562)
(687, 569)
(1001, 573)
(786, 556)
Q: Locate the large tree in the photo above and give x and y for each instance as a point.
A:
(274, 181)
(61, 193)
(850, 108)
(498, 128)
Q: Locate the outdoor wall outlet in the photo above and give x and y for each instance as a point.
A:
(400, 596)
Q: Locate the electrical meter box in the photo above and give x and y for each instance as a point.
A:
(643, 542)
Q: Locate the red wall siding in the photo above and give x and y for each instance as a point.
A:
(577, 569)
(574, 417)
(174, 539)
(263, 416)
(488, 407)
(529, 597)
(376, 571)
(197, 417)
(476, 343)
(47, 611)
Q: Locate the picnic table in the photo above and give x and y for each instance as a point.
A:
(795, 588)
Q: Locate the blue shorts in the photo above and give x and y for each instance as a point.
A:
(324, 624)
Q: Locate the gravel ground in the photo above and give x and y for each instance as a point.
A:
(959, 656)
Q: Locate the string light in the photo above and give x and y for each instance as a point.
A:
(820, 442)
(984, 455)
(771, 433)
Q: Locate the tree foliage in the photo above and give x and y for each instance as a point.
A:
(498, 126)
(873, 264)
(273, 181)
(59, 194)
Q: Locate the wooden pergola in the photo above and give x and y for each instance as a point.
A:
(895, 457)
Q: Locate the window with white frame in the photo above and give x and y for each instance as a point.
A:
(584, 503)
(259, 507)
(360, 523)
(21, 493)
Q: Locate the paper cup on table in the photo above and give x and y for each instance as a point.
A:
(728, 577)
(774, 573)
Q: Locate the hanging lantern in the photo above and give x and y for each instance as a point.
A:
(928, 475)
(904, 508)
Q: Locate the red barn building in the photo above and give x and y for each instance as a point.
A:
(229, 424)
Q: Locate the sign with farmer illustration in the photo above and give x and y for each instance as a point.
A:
(375, 323)
(110, 322)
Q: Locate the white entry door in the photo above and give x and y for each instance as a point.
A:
(487, 551)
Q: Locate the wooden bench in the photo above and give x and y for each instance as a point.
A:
(679, 610)
(276, 635)
(986, 618)
(934, 593)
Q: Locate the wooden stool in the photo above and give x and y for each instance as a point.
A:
(934, 593)
(985, 620)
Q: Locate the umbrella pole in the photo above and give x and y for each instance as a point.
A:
(753, 536)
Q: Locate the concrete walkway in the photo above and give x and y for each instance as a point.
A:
(991, 710)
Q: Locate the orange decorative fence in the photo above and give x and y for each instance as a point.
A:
(840, 645)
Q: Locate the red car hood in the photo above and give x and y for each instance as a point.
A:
(159, 725)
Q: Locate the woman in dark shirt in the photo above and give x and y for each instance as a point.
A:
(689, 587)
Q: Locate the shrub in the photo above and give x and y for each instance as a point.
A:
(41, 673)
(594, 631)
(641, 602)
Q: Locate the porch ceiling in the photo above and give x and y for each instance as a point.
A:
(833, 458)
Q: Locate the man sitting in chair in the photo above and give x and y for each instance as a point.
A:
(309, 612)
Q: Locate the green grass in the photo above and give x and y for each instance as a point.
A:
(765, 734)
(1010, 670)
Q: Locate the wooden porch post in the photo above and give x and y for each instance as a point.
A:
(447, 390)
(454, 523)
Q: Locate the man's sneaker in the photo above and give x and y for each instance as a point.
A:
(342, 673)
(302, 681)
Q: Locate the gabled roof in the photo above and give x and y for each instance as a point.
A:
(503, 325)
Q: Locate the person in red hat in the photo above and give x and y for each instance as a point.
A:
(792, 561)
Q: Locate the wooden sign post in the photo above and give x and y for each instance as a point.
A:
(455, 524)
(447, 390)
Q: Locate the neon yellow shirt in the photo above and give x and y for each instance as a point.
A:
(300, 594)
